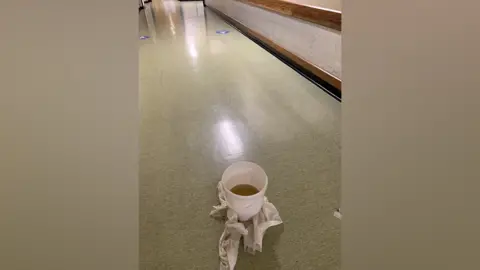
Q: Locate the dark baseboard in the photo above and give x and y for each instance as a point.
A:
(322, 79)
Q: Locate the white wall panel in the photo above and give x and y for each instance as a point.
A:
(330, 4)
(318, 45)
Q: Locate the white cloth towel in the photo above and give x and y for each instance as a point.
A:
(252, 230)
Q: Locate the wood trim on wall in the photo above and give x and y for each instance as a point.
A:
(320, 73)
(318, 15)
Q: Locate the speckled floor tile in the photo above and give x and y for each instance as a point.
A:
(208, 100)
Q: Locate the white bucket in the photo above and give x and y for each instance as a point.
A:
(244, 172)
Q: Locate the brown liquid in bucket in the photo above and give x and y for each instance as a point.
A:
(244, 190)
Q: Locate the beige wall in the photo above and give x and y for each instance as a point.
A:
(331, 4)
(68, 138)
(411, 131)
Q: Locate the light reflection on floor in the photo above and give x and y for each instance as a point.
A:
(208, 100)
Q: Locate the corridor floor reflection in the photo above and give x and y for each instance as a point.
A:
(208, 100)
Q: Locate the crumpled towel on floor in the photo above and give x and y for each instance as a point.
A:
(252, 230)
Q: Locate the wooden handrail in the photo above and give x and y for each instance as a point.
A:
(318, 15)
(304, 64)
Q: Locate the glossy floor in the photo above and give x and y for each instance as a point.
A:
(208, 100)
